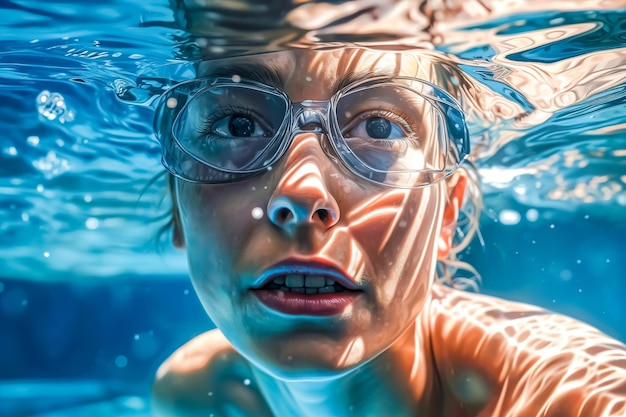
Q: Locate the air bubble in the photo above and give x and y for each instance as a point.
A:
(52, 106)
(509, 217)
(121, 361)
(532, 215)
(92, 223)
(246, 381)
(236, 78)
(257, 213)
(46, 254)
(33, 140)
(51, 166)
(171, 103)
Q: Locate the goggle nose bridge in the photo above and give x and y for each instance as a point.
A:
(310, 116)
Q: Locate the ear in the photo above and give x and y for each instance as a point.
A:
(456, 191)
(178, 237)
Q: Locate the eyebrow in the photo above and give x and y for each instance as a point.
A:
(357, 77)
(272, 76)
(254, 72)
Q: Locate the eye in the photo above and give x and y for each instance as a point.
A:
(375, 127)
(239, 126)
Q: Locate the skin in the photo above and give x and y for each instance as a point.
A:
(406, 346)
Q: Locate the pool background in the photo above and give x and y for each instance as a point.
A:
(88, 309)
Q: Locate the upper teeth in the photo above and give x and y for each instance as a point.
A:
(301, 280)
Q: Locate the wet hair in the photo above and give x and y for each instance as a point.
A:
(453, 271)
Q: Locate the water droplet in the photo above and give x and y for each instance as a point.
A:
(46, 254)
(246, 382)
(87, 198)
(308, 78)
(33, 140)
(578, 261)
(25, 217)
(186, 292)
(210, 393)
(552, 226)
(236, 78)
(10, 151)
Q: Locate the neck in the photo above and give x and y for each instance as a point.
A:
(393, 383)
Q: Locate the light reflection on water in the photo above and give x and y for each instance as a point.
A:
(544, 91)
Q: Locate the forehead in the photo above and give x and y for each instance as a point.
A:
(309, 74)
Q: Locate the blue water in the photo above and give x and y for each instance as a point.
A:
(91, 301)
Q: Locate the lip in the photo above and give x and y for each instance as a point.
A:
(319, 304)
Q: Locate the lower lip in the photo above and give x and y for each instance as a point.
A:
(306, 304)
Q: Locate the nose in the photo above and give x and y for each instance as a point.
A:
(302, 196)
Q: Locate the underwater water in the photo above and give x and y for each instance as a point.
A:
(92, 300)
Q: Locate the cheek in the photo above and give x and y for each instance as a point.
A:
(398, 236)
(217, 222)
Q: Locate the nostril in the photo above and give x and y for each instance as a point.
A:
(322, 214)
(283, 215)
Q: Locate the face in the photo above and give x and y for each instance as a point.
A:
(307, 215)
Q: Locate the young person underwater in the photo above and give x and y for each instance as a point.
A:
(315, 194)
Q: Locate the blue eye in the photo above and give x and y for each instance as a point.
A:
(376, 128)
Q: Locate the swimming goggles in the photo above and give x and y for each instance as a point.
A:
(396, 131)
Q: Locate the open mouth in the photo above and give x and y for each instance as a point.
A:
(306, 288)
(305, 284)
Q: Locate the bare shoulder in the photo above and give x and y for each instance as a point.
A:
(500, 355)
(204, 376)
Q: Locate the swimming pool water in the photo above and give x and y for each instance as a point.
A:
(91, 302)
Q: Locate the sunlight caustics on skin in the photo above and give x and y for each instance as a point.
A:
(577, 365)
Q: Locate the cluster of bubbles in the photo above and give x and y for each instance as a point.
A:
(52, 106)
